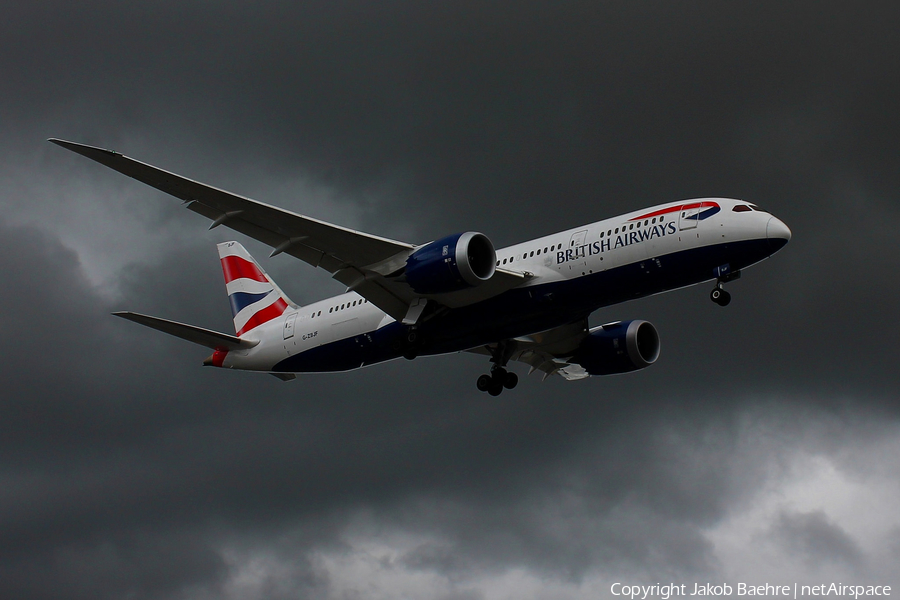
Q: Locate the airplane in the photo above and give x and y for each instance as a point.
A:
(528, 303)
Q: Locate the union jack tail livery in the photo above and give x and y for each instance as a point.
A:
(255, 299)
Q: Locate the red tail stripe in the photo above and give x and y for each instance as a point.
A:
(236, 267)
(264, 316)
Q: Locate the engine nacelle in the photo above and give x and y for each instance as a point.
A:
(452, 263)
(618, 348)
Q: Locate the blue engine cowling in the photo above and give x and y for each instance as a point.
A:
(618, 348)
(452, 263)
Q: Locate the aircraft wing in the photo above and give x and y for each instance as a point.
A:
(547, 351)
(359, 260)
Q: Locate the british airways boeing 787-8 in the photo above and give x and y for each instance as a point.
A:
(529, 302)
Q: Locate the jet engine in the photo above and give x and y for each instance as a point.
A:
(452, 263)
(618, 348)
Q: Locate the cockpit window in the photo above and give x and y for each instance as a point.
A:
(741, 208)
(755, 207)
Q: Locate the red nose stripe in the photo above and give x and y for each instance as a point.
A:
(671, 209)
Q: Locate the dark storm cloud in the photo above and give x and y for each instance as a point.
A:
(130, 469)
(104, 450)
(815, 537)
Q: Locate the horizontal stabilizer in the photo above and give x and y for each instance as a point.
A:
(198, 335)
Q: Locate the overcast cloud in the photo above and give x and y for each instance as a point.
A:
(762, 447)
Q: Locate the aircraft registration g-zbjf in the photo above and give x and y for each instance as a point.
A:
(529, 302)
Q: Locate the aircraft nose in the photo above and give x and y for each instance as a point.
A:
(777, 233)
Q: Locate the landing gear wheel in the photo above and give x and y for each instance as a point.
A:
(484, 383)
(725, 299)
(720, 296)
(412, 344)
(510, 381)
(495, 390)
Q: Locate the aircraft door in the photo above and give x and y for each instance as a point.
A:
(689, 216)
(577, 239)
(289, 326)
(576, 253)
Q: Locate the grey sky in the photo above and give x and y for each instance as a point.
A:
(762, 446)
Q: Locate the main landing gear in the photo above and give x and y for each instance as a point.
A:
(499, 378)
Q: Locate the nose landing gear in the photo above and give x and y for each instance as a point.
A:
(724, 274)
(720, 296)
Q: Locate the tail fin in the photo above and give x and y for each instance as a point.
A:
(255, 298)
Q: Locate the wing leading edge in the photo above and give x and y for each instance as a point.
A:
(360, 261)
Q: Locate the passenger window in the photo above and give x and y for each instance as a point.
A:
(631, 226)
(319, 314)
(653, 222)
(639, 224)
(661, 219)
(645, 222)
(532, 253)
(545, 251)
(601, 234)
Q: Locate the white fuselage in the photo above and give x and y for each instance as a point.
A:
(646, 238)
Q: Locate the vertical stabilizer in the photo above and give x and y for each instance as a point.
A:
(255, 299)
